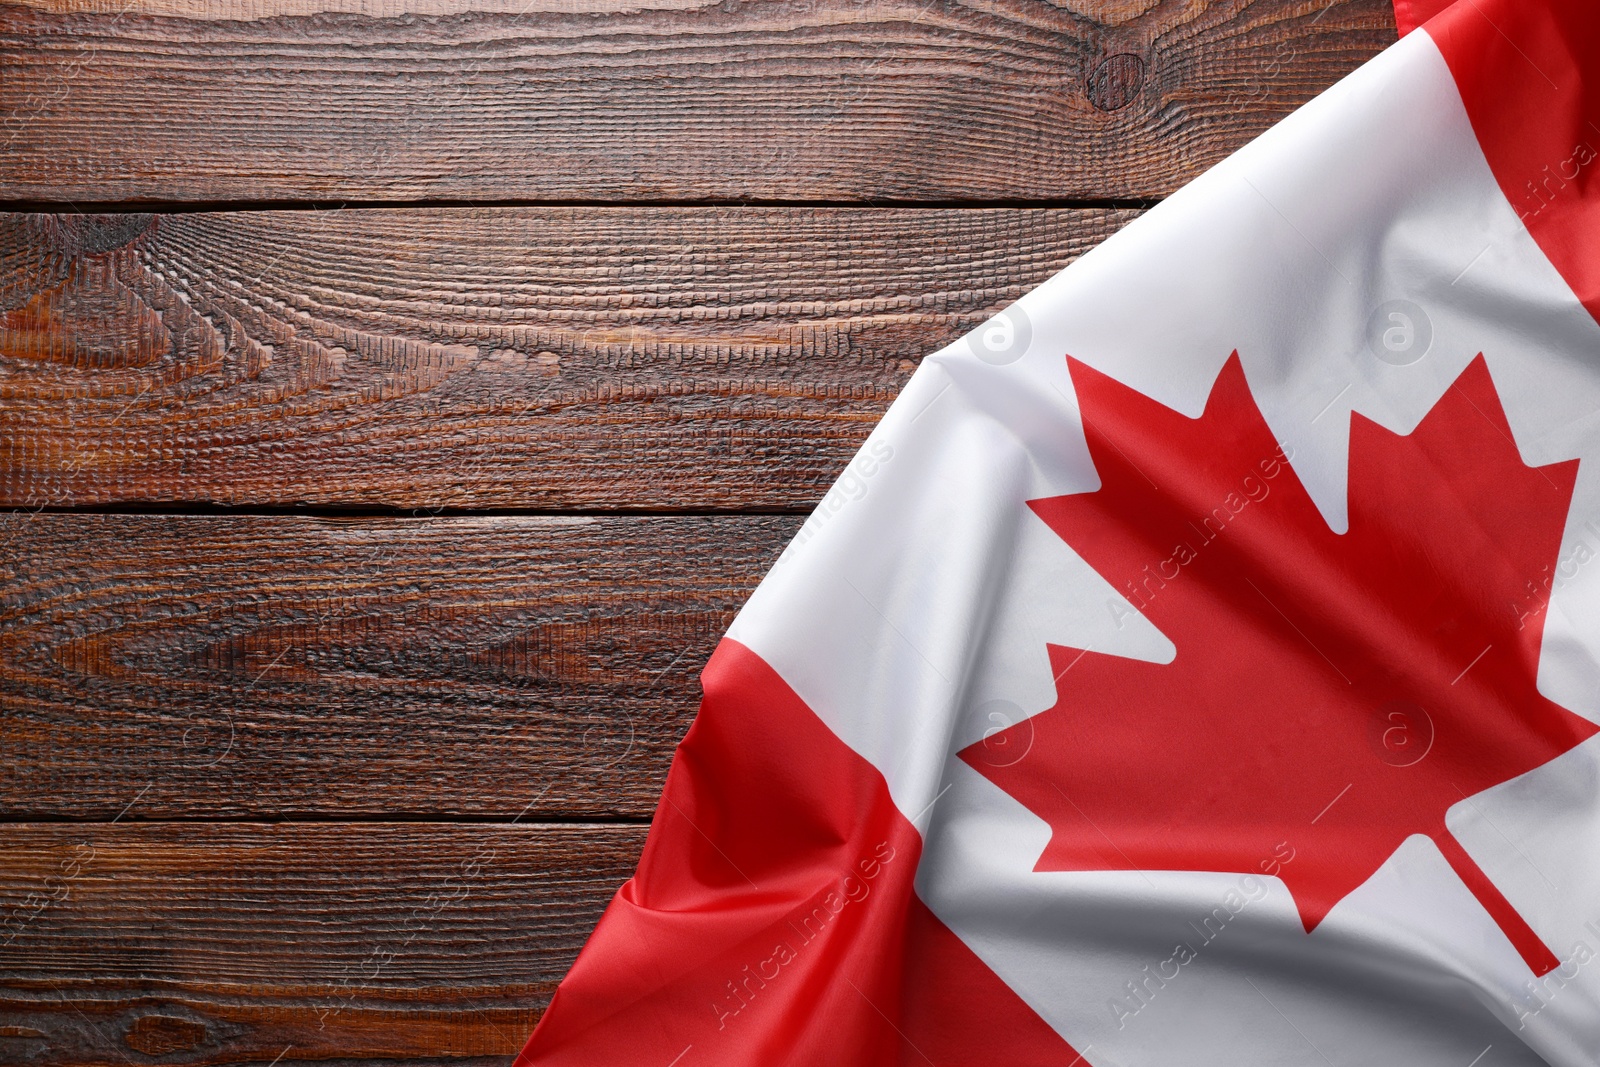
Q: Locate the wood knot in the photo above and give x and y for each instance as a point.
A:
(37, 251)
(162, 1035)
(95, 235)
(1115, 81)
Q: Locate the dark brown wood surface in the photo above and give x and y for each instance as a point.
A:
(641, 358)
(242, 943)
(271, 667)
(380, 466)
(781, 99)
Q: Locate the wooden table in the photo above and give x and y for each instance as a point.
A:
(398, 398)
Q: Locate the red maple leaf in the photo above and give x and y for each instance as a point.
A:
(1335, 691)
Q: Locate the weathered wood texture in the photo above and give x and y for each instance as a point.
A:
(497, 695)
(275, 667)
(557, 358)
(664, 99)
(238, 943)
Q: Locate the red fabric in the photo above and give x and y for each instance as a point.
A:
(772, 919)
(1529, 74)
(1314, 670)
(1409, 14)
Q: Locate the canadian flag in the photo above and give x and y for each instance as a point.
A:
(1200, 663)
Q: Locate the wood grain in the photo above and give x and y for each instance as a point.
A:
(512, 358)
(237, 944)
(223, 667)
(195, 708)
(832, 100)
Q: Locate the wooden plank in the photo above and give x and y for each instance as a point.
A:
(224, 667)
(240, 943)
(663, 99)
(646, 358)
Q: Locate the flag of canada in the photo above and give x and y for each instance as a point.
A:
(1200, 662)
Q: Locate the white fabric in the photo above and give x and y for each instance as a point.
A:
(913, 610)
